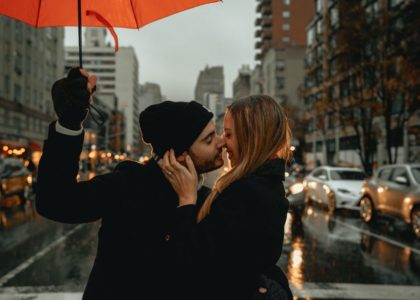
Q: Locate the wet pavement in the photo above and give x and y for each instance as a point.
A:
(324, 256)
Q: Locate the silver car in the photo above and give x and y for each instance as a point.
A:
(337, 187)
(393, 191)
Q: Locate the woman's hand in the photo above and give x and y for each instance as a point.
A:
(184, 180)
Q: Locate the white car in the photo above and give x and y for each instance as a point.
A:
(337, 187)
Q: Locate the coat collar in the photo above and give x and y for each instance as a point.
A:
(272, 167)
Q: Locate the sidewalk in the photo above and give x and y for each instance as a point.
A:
(314, 291)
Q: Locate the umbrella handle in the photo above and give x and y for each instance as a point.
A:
(79, 23)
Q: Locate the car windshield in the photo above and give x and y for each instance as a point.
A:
(347, 175)
(416, 173)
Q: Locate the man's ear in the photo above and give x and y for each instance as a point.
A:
(182, 157)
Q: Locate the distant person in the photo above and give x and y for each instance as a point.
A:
(238, 231)
(136, 256)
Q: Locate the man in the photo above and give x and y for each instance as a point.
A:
(136, 204)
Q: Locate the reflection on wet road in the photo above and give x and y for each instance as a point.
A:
(341, 249)
(324, 256)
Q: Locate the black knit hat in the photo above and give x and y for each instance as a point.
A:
(173, 125)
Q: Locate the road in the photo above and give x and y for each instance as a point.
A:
(324, 257)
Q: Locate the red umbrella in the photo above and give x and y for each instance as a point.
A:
(109, 13)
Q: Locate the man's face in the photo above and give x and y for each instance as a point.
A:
(206, 151)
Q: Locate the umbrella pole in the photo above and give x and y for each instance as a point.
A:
(79, 20)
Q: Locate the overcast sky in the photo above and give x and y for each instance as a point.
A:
(172, 51)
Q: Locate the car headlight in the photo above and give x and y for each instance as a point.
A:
(296, 188)
(29, 179)
(344, 191)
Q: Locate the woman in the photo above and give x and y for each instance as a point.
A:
(237, 233)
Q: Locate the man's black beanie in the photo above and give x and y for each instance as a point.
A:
(173, 125)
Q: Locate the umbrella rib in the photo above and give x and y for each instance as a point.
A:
(37, 15)
(134, 13)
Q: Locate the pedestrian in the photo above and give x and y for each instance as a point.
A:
(136, 257)
(237, 234)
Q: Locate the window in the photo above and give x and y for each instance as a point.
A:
(384, 174)
(400, 172)
(286, 2)
(280, 64)
(286, 14)
(285, 39)
(334, 16)
(319, 6)
(286, 27)
(310, 36)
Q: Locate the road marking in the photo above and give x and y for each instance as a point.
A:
(311, 290)
(356, 291)
(398, 244)
(24, 265)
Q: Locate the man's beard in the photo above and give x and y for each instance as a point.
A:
(208, 165)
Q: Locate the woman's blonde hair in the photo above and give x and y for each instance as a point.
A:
(262, 130)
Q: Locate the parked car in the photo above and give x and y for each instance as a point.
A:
(295, 193)
(15, 185)
(337, 187)
(393, 191)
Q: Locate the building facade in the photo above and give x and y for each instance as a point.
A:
(210, 80)
(117, 74)
(341, 98)
(242, 84)
(31, 60)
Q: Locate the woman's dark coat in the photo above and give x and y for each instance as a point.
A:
(240, 239)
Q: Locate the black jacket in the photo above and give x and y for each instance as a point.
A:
(135, 258)
(240, 239)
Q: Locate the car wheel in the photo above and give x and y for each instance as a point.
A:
(415, 221)
(331, 203)
(367, 211)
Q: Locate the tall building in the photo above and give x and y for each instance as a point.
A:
(242, 83)
(117, 74)
(210, 80)
(281, 48)
(281, 24)
(31, 60)
(330, 137)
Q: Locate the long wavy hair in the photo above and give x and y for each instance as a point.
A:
(262, 131)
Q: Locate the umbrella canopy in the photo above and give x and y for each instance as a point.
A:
(119, 13)
(94, 13)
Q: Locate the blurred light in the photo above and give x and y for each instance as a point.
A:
(380, 189)
(109, 154)
(292, 148)
(10, 151)
(407, 200)
(286, 174)
(29, 179)
(5, 148)
(22, 150)
(93, 147)
(92, 154)
(309, 211)
(326, 189)
(103, 155)
(117, 157)
(296, 188)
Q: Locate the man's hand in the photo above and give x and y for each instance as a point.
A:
(72, 97)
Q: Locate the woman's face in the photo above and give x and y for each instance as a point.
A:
(231, 141)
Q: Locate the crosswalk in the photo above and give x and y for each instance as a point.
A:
(306, 291)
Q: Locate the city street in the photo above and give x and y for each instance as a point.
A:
(324, 257)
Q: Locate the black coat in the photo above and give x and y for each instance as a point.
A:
(240, 239)
(136, 258)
